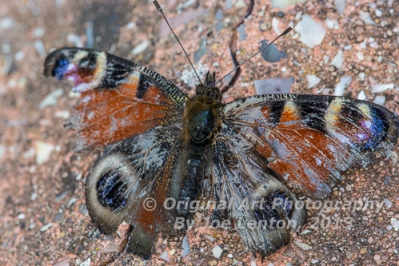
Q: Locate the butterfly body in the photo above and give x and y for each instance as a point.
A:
(162, 145)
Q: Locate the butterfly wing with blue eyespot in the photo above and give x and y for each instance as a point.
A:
(129, 183)
(310, 139)
(118, 98)
(137, 113)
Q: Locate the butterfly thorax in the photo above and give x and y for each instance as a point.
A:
(201, 115)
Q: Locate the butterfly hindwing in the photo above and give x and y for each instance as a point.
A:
(130, 182)
(119, 98)
(259, 202)
(309, 140)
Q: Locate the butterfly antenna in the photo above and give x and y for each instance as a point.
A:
(255, 54)
(158, 6)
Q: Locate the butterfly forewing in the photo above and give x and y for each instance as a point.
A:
(311, 139)
(119, 98)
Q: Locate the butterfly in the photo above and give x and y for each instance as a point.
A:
(161, 144)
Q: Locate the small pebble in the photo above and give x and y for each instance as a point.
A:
(395, 224)
(362, 96)
(165, 256)
(381, 87)
(365, 16)
(46, 227)
(338, 60)
(140, 48)
(379, 99)
(341, 86)
(363, 251)
(212, 263)
(51, 99)
(185, 247)
(85, 263)
(302, 245)
(312, 33)
(340, 6)
(217, 251)
(43, 151)
(313, 80)
(284, 3)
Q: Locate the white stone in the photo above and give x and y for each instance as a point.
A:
(302, 245)
(362, 96)
(217, 252)
(185, 247)
(85, 263)
(298, 16)
(284, 3)
(240, 4)
(51, 98)
(379, 99)
(394, 156)
(374, 45)
(165, 256)
(275, 23)
(43, 151)
(395, 224)
(338, 60)
(38, 32)
(363, 44)
(341, 85)
(340, 6)
(332, 24)
(62, 114)
(140, 48)
(312, 33)
(46, 227)
(381, 87)
(362, 76)
(348, 47)
(39, 46)
(6, 23)
(19, 55)
(360, 56)
(388, 203)
(313, 80)
(365, 16)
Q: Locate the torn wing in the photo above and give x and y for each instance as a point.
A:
(262, 208)
(131, 181)
(119, 98)
(310, 139)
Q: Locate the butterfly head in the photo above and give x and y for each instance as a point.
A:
(208, 89)
(201, 113)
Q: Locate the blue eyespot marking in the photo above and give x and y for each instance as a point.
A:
(111, 191)
(376, 130)
(60, 68)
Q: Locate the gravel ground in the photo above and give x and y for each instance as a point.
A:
(44, 220)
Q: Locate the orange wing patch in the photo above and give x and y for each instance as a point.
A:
(119, 98)
(290, 113)
(314, 137)
(110, 115)
(307, 159)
